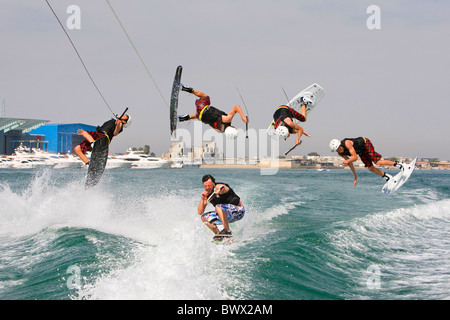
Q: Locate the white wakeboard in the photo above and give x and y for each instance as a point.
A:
(315, 92)
(399, 179)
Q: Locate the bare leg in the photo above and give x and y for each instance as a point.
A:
(77, 149)
(376, 170)
(385, 163)
(199, 93)
(303, 111)
(230, 115)
(381, 163)
(211, 226)
(80, 154)
(85, 135)
(223, 217)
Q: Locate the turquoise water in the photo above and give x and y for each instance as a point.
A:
(306, 235)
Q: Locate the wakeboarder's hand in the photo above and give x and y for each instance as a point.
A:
(204, 195)
(217, 189)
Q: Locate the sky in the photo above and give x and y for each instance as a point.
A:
(388, 84)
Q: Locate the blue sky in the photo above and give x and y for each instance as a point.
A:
(389, 85)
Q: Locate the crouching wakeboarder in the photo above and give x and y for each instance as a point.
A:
(228, 207)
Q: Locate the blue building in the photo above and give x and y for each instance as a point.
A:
(62, 137)
(14, 132)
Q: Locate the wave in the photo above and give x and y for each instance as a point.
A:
(185, 263)
(408, 246)
(133, 237)
(139, 245)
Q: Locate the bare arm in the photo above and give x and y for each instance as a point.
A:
(119, 125)
(353, 155)
(350, 164)
(221, 189)
(354, 173)
(297, 129)
(203, 202)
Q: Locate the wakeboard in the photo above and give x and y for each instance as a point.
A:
(315, 92)
(399, 179)
(174, 100)
(97, 163)
(223, 239)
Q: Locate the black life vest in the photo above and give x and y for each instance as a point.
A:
(358, 145)
(280, 114)
(108, 128)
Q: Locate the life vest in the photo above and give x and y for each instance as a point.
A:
(227, 198)
(108, 128)
(280, 114)
(358, 145)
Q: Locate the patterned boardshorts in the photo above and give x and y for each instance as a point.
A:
(233, 212)
(369, 156)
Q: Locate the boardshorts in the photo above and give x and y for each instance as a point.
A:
(369, 156)
(215, 118)
(86, 145)
(234, 213)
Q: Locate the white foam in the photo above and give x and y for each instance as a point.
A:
(176, 258)
(409, 245)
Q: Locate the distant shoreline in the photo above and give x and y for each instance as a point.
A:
(253, 167)
(321, 163)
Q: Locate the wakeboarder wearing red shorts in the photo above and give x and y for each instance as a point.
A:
(350, 148)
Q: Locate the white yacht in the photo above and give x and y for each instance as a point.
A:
(25, 160)
(60, 161)
(114, 163)
(6, 163)
(30, 162)
(68, 161)
(140, 160)
(111, 163)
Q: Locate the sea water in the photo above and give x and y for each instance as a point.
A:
(305, 235)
